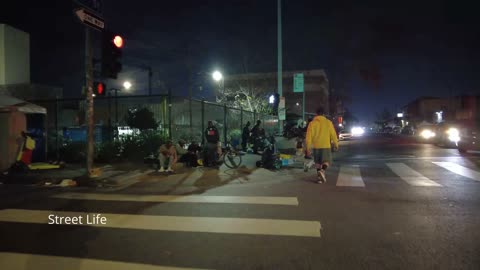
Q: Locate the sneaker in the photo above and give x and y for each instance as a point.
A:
(321, 176)
(169, 170)
(161, 169)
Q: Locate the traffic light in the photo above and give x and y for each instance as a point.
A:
(99, 89)
(112, 45)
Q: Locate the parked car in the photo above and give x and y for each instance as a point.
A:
(344, 135)
(469, 140)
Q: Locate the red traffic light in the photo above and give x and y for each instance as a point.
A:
(100, 89)
(118, 41)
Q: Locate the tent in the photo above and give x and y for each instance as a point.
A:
(9, 103)
(12, 122)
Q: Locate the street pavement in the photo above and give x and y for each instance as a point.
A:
(389, 203)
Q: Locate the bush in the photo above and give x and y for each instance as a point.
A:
(108, 151)
(136, 147)
(73, 152)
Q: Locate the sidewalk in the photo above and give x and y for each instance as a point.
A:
(74, 175)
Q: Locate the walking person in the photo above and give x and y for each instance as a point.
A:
(245, 136)
(321, 137)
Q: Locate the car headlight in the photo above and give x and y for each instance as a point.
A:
(427, 134)
(453, 135)
(357, 131)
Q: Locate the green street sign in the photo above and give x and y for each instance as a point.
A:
(298, 83)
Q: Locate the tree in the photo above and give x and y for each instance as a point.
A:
(249, 93)
(383, 117)
(142, 119)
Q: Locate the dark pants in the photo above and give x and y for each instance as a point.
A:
(190, 159)
(210, 156)
(244, 143)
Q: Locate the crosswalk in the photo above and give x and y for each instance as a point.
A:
(351, 176)
(122, 219)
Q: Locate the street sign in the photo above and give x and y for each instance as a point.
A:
(90, 19)
(298, 83)
(282, 113)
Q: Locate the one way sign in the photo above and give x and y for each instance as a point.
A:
(90, 19)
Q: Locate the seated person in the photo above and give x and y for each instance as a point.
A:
(167, 152)
(181, 151)
(192, 154)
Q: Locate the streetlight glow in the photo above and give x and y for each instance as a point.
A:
(217, 76)
(127, 85)
(271, 99)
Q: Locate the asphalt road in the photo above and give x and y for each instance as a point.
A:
(389, 203)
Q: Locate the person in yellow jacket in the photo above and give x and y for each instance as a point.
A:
(321, 137)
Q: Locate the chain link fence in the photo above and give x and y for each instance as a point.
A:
(178, 118)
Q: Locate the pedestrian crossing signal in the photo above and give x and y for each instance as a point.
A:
(100, 89)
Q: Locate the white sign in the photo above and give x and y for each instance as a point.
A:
(90, 19)
(282, 115)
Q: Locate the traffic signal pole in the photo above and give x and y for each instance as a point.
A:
(279, 58)
(89, 92)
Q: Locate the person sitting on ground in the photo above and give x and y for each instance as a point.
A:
(167, 152)
(192, 154)
(181, 151)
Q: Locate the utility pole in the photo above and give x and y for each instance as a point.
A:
(279, 57)
(89, 90)
(149, 80)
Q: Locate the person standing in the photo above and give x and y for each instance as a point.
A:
(245, 136)
(213, 138)
(320, 136)
(167, 152)
(255, 136)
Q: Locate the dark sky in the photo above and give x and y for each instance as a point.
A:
(419, 48)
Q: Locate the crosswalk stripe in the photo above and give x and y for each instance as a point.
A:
(350, 176)
(458, 169)
(21, 261)
(411, 176)
(174, 223)
(181, 199)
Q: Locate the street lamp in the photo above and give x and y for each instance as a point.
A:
(127, 85)
(217, 76)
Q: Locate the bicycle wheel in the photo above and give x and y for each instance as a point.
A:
(232, 159)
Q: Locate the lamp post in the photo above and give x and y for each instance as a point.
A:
(126, 86)
(218, 76)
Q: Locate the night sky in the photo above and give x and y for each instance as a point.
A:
(418, 48)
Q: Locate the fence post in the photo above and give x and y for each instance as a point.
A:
(57, 153)
(241, 118)
(203, 121)
(225, 123)
(170, 114)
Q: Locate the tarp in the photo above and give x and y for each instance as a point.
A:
(9, 103)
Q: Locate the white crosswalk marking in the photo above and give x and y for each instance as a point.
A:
(411, 176)
(176, 223)
(458, 169)
(21, 261)
(181, 199)
(350, 176)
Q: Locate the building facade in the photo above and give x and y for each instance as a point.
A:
(437, 110)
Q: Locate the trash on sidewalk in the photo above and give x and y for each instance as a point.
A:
(68, 183)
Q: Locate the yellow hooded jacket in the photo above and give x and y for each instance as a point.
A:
(321, 134)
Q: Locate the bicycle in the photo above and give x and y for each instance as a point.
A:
(231, 157)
